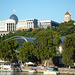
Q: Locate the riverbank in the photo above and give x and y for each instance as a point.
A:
(61, 70)
(66, 70)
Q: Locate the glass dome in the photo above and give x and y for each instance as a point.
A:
(14, 17)
(21, 39)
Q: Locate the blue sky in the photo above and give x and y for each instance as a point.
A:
(38, 9)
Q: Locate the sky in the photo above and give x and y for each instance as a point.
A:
(38, 9)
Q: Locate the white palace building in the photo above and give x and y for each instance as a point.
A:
(13, 24)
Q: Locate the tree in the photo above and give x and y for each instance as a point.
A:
(66, 28)
(0, 38)
(69, 50)
(35, 31)
(48, 28)
(43, 47)
(26, 52)
(45, 44)
(7, 49)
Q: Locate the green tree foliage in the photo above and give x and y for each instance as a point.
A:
(7, 49)
(43, 47)
(48, 28)
(66, 28)
(69, 50)
(26, 52)
(0, 38)
(45, 44)
(35, 31)
(54, 28)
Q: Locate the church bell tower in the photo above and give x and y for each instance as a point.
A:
(67, 16)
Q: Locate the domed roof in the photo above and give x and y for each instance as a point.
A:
(14, 17)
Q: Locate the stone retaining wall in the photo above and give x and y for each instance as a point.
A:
(67, 70)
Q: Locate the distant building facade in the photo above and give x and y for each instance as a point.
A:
(8, 25)
(27, 24)
(13, 24)
(48, 23)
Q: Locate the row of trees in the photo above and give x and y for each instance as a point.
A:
(43, 47)
(65, 28)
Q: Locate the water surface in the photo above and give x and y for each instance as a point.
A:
(24, 73)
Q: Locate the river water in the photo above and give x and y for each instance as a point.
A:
(24, 73)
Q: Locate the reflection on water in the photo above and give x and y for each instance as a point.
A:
(67, 74)
(19, 73)
(24, 73)
(6, 73)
